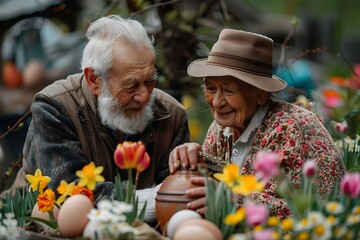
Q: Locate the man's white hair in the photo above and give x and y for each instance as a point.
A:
(103, 33)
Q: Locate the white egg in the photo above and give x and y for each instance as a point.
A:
(178, 218)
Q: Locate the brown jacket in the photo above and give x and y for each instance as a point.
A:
(65, 134)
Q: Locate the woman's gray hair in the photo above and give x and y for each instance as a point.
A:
(103, 33)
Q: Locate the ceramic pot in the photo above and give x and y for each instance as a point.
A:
(171, 196)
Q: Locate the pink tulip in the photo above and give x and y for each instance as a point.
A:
(263, 234)
(350, 184)
(255, 214)
(266, 165)
(341, 127)
(309, 168)
(131, 155)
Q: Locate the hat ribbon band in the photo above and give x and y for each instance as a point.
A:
(236, 62)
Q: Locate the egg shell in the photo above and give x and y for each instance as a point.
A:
(72, 217)
(193, 232)
(178, 218)
(44, 215)
(201, 228)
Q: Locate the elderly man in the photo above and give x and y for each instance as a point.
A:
(82, 118)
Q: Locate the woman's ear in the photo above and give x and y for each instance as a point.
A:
(92, 80)
(263, 97)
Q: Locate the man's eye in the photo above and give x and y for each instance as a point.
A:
(150, 82)
(131, 88)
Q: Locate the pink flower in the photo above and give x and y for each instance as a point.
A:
(309, 168)
(255, 214)
(332, 97)
(341, 127)
(131, 155)
(266, 165)
(263, 234)
(350, 184)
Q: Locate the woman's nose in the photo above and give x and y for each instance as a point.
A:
(218, 99)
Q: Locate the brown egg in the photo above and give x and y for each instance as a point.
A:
(72, 217)
(199, 229)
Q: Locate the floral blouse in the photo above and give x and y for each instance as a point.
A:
(297, 135)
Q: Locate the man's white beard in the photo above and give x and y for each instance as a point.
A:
(112, 114)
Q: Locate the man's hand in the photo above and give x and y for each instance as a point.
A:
(185, 155)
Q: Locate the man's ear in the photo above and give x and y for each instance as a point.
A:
(263, 97)
(92, 81)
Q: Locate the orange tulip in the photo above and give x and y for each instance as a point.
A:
(131, 155)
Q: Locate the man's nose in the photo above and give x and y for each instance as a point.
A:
(142, 95)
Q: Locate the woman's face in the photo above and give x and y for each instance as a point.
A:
(232, 101)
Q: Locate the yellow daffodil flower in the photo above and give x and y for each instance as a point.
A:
(273, 221)
(65, 190)
(235, 218)
(90, 175)
(248, 184)
(37, 181)
(230, 175)
(287, 224)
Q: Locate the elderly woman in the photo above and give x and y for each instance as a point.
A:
(238, 83)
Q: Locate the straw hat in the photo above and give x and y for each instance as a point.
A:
(243, 55)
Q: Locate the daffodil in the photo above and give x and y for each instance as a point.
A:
(230, 175)
(65, 190)
(37, 181)
(287, 224)
(273, 221)
(247, 185)
(90, 175)
(235, 218)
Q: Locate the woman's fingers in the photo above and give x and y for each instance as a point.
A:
(197, 205)
(184, 155)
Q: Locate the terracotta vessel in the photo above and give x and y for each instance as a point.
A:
(171, 196)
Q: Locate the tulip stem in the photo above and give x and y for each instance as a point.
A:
(130, 194)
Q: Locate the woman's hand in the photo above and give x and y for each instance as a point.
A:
(185, 155)
(197, 205)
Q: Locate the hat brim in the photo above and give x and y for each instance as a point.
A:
(200, 68)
